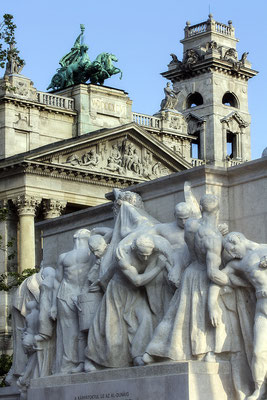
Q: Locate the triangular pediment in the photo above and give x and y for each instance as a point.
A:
(127, 151)
(235, 117)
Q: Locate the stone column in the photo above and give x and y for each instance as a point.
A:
(53, 208)
(26, 207)
(224, 140)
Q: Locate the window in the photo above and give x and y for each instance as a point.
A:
(230, 99)
(195, 147)
(231, 145)
(194, 100)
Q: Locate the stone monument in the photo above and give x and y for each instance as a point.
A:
(197, 300)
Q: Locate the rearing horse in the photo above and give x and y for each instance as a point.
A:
(107, 68)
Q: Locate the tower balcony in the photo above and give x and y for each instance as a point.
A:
(209, 26)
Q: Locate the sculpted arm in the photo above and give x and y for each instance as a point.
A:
(214, 292)
(131, 272)
(57, 281)
(141, 279)
(235, 279)
(213, 261)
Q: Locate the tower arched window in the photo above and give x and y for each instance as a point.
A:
(230, 99)
(193, 100)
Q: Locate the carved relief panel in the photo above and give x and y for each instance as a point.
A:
(120, 156)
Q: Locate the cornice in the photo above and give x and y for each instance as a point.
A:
(67, 173)
(31, 104)
(204, 66)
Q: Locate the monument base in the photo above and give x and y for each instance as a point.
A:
(192, 380)
(9, 393)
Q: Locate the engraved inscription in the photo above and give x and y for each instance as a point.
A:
(110, 395)
(106, 107)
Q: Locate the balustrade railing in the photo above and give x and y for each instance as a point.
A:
(55, 101)
(195, 162)
(222, 28)
(196, 29)
(147, 120)
(208, 26)
(232, 163)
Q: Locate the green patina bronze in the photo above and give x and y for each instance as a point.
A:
(77, 68)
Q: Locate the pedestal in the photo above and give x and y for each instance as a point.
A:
(9, 393)
(170, 381)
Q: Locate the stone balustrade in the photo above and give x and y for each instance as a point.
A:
(147, 121)
(208, 26)
(196, 29)
(195, 162)
(233, 162)
(222, 28)
(55, 101)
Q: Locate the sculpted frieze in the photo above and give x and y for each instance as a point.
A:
(122, 157)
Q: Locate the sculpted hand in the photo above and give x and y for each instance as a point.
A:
(174, 278)
(223, 228)
(162, 261)
(215, 317)
(95, 287)
(53, 313)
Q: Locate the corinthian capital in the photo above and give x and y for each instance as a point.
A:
(53, 208)
(26, 205)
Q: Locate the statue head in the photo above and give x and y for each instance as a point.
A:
(97, 245)
(182, 212)
(81, 235)
(209, 203)
(143, 247)
(235, 243)
(48, 275)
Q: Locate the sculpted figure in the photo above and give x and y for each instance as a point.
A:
(28, 343)
(174, 233)
(130, 215)
(45, 340)
(29, 290)
(90, 159)
(70, 281)
(75, 53)
(185, 332)
(123, 324)
(170, 100)
(249, 262)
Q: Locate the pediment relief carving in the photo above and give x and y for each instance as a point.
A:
(120, 156)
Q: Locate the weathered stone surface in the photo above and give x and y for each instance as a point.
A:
(9, 393)
(173, 381)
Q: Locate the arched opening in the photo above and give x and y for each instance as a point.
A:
(193, 100)
(230, 99)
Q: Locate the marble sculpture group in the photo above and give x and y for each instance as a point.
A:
(146, 292)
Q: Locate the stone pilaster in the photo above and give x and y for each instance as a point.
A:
(53, 208)
(26, 208)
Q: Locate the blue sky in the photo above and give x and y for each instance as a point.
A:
(141, 34)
